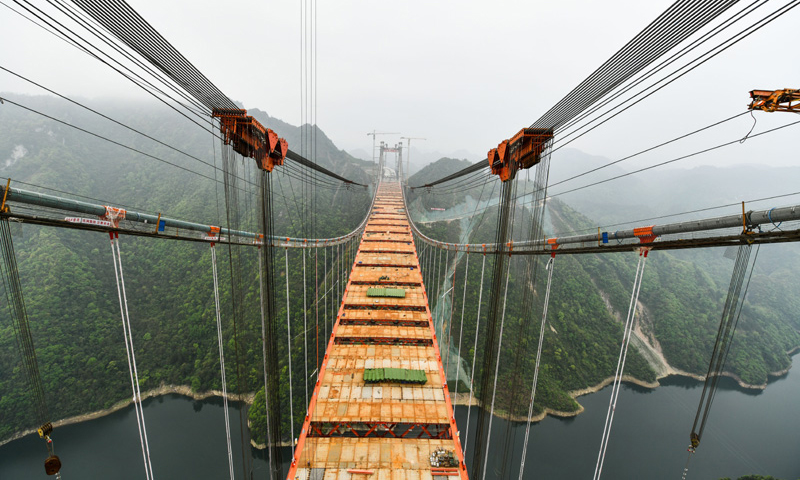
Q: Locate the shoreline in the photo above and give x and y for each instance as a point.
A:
(461, 398)
(183, 390)
(464, 399)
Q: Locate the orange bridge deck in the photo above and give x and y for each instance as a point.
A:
(385, 430)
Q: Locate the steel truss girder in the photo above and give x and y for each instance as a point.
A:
(440, 431)
(415, 342)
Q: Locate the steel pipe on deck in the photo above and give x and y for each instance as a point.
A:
(748, 220)
(26, 197)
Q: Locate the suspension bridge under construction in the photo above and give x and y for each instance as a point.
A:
(380, 404)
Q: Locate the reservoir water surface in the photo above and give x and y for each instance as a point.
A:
(748, 432)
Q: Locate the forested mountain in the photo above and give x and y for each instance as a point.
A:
(680, 303)
(68, 279)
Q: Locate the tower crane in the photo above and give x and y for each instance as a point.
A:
(408, 145)
(374, 134)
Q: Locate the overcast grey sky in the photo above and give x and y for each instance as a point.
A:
(464, 74)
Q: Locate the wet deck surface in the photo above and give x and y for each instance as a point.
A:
(381, 430)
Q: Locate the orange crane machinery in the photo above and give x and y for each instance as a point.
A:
(786, 100)
(250, 138)
(523, 150)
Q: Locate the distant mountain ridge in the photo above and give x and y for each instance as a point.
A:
(682, 293)
(667, 190)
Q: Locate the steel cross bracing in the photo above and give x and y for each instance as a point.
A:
(385, 430)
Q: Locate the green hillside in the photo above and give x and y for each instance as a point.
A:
(68, 279)
(682, 299)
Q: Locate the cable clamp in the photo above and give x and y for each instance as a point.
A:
(114, 215)
(646, 237)
(747, 222)
(3, 207)
(553, 242)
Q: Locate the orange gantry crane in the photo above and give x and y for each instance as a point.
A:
(381, 408)
(786, 100)
(521, 151)
(250, 138)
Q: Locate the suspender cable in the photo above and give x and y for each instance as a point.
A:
(342, 272)
(496, 370)
(441, 277)
(475, 351)
(316, 309)
(131, 356)
(449, 333)
(19, 318)
(494, 317)
(727, 328)
(461, 329)
(427, 253)
(222, 359)
(305, 326)
(538, 360)
(289, 351)
(426, 267)
(435, 256)
(264, 351)
(437, 308)
(325, 300)
(535, 233)
(335, 286)
(432, 268)
(270, 336)
(233, 218)
(730, 316)
(438, 279)
(623, 353)
(338, 272)
(431, 283)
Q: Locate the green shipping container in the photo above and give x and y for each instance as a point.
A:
(386, 292)
(395, 375)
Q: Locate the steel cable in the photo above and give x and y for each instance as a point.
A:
(623, 355)
(131, 355)
(222, 359)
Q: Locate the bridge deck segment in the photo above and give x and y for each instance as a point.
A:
(381, 430)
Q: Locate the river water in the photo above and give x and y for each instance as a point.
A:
(747, 433)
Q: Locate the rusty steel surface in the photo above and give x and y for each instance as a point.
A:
(387, 429)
